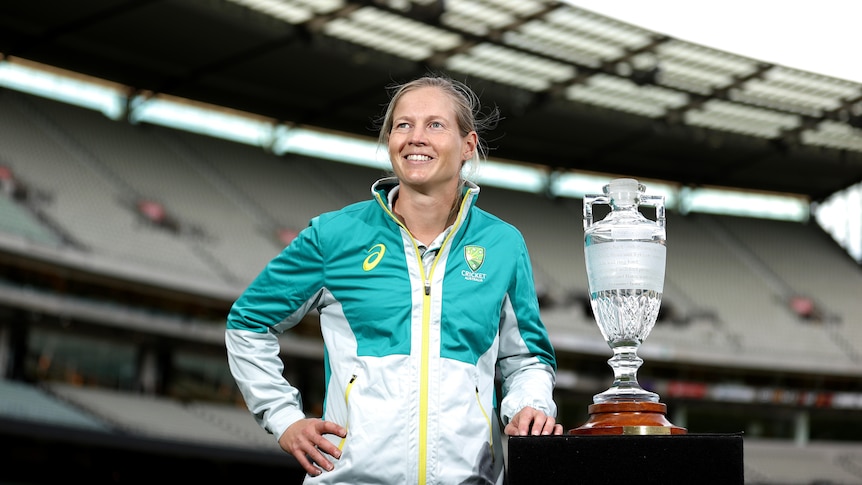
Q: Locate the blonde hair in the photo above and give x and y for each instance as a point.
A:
(468, 112)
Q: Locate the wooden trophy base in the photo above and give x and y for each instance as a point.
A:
(628, 418)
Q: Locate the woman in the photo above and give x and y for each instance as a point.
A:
(421, 296)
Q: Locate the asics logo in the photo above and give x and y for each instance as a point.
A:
(375, 255)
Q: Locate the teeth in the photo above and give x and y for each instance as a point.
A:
(418, 158)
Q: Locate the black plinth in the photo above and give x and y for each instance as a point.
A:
(626, 460)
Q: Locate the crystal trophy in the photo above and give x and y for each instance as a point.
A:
(625, 257)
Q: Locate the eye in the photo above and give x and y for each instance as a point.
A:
(401, 126)
(436, 124)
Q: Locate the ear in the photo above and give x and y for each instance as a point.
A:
(470, 141)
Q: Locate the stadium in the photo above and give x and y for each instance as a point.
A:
(154, 155)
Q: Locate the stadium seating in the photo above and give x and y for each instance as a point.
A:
(230, 200)
(727, 286)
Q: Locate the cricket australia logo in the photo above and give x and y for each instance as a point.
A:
(475, 257)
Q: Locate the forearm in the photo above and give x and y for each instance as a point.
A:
(532, 386)
(257, 368)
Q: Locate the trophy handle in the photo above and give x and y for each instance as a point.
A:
(589, 200)
(656, 201)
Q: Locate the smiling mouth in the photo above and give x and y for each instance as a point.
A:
(418, 158)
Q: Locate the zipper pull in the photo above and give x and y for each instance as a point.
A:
(427, 288)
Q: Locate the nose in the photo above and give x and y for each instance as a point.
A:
(417, 136)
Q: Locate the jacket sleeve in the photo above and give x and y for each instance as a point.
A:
(279, 297)
(526, 359)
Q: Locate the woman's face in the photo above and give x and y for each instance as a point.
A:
(425, 144)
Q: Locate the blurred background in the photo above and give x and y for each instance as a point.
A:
(155, 154)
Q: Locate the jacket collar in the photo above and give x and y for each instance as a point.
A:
(383, 190)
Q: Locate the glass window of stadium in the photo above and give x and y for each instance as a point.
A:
(62, 355)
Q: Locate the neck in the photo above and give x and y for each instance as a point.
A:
(426, 216)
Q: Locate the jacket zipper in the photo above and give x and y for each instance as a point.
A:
(426, 331)
(423, 384)
(347, 409)
(490, 427)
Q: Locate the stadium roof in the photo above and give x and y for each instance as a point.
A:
(579, 91)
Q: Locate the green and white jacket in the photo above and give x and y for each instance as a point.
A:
(413, 338)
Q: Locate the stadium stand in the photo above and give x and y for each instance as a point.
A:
(727, 311)
(164, 418)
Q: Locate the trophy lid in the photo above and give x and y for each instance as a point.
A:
(624, 191)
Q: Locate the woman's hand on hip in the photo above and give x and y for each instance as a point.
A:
(305, 441)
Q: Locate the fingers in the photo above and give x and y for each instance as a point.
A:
(529, 421)
(308, 464)
(305, 441)
(316, 461)
(528, 424)
(323, 444)
(542, 424)
(328, 427)
(519, 424)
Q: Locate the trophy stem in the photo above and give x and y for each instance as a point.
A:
(625, 364)
(626, 408)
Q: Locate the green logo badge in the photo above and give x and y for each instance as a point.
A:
(475, 256)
